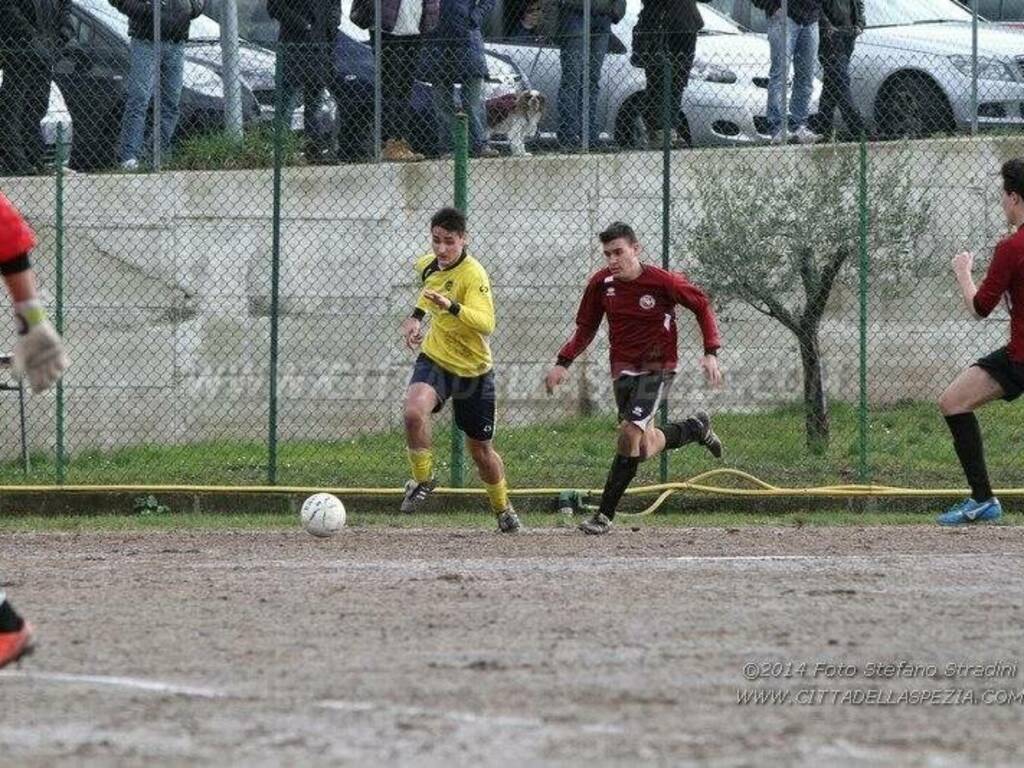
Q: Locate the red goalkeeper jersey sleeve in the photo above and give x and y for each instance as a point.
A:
(642, 328)
(16, 237)
(1005, 277)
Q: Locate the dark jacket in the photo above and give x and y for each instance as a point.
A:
(175, 18)
(661, 27)
(843, 15)
(453, 51)
(306, 21)
(550, 11)
(800, 11)
(43, 26)
(362, 14)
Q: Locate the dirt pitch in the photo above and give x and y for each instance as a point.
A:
(447, 647)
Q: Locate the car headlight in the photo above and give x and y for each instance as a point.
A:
(988, 68)
(203, 80)
(712, 73)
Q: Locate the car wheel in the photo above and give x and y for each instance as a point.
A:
(913, 107)
(630, 126)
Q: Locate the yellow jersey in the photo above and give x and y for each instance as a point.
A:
(458, 343)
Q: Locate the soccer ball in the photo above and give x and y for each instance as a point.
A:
(322, 514)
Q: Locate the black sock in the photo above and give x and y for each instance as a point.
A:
(9, 620)
(969, 449)
(679, 433)
(619, 477)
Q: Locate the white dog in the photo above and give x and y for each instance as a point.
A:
(517, 115)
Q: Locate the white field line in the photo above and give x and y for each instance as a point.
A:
(560, 562)
(133, 683)
(503, 721)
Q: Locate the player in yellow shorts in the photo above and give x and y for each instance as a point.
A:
(454, 362)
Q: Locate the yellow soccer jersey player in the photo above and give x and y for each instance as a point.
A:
(455, 362)
(457, 338)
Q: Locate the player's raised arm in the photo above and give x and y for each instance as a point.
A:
(39, 352)
(693, 298)
(588, 320)
(981, 300)
(477, 309)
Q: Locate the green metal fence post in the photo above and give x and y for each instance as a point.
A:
(58, 319)
(458, 458)
(666, 203)
(275, 267)
(862, 444)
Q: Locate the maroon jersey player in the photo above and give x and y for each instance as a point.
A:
(640, 303)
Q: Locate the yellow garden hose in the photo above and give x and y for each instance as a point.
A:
(698, 484)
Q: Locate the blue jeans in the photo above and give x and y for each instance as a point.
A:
(803, 50)
(139, 90)
(570, 90)
(444, 105)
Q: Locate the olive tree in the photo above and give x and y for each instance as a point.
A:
(779, 238)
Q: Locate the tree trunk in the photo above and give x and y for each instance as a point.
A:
(815, 402)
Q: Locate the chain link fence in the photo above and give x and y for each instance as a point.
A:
(231, 287)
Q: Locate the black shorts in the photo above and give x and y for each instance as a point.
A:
(1008, 374)
(473, 397)
(639, 397)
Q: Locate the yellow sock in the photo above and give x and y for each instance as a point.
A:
(422, 464)
(498, 494)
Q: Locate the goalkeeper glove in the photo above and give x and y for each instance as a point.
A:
(39, 353)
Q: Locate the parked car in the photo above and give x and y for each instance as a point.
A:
(724, 105)
(93, 69)
(57, 114)
(911, 69)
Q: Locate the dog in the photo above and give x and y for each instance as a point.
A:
(517, 116)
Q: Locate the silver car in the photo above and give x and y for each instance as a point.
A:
(724, 105)
(911, 69)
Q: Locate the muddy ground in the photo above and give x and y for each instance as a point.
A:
(447, 647)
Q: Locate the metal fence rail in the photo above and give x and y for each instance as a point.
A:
(233, 316)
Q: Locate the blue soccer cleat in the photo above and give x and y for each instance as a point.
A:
(970, 511)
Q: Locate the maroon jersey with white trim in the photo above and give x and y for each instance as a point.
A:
(641, 319)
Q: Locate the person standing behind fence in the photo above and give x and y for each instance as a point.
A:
(841, 22)
(454, 53)
(175, 19)
(562, 20)
(800, 29)
(307, 30)
(32, 33)
(665, 30)
(402, 24)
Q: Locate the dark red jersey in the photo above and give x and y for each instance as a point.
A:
(1006, 277)
(641, 319)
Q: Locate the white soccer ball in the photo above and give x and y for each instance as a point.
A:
(322, 514)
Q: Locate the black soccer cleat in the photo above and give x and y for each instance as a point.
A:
(417, 493)
(508, 521)
(596, 524)
(706, 435)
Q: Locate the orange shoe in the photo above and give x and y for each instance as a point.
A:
(14, 645)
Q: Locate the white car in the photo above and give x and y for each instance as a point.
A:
(911, 69)
(724, 104)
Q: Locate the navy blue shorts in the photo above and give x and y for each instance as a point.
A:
(473, 397)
